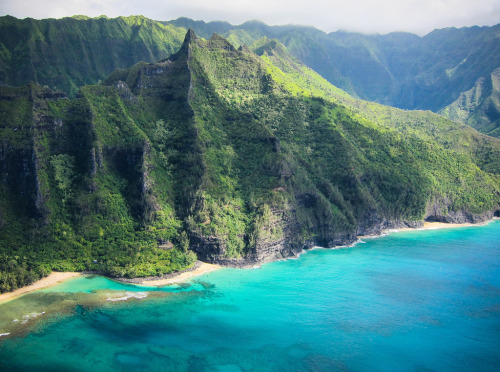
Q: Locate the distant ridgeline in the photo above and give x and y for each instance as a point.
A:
(455, 72)
(235, 156)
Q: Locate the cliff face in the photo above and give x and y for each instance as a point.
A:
(279, 170)
(237, 157)
(67, 53)
(479, 106)
(439, 211)
(450, 71)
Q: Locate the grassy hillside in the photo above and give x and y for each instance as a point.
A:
(66, 54)
(234, 156)
(450, 71)
(397, 69)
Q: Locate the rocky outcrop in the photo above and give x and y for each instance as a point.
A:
(208, 248)
(290, 244)
(439, 211)
(374, 224)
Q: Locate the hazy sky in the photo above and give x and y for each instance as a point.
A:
(369, 16)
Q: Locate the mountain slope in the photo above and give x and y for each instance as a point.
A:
(397, 69)
(68, 53)
(435, 72)
(319, 166)
(240, 156)
(479, 106)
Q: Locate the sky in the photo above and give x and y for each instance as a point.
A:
(367, 16)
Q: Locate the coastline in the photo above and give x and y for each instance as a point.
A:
(59, 277)
(444, 225)
(50, 280)
(201, 269)
(428, 226)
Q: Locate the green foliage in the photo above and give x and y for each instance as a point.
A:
(227, 152)
(64, 172)
(67, 53)
(451, 71)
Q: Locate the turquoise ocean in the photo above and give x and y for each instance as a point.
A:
(424, 300)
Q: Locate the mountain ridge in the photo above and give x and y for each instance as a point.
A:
(408, 71)
(235, 157)
(427, 73)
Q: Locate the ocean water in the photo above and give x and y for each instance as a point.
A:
(410, 301)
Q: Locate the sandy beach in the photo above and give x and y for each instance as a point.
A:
(444, 225)
(48, 281)
(435, 225)
(57, 277)
(202, 269)
(426, 226)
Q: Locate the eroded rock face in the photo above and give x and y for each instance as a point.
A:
(440, 211)
(209, 151)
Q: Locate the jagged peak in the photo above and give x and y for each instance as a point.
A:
(218, 41)
(190, 37)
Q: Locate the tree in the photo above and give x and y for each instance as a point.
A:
(64, 173)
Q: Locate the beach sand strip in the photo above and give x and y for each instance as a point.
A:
(202, 269)
(48, 281)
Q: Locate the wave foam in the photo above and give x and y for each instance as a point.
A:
(129, 295)
(30, 316)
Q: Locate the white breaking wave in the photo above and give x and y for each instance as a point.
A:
(30, 316)
(129, 295)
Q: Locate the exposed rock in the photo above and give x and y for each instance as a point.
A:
(439, 211)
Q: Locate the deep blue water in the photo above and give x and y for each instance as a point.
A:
(412, 301)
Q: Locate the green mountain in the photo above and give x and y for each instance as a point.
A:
(66, 54)
(434, 72)
(234, 156)
(479, 106)
(450, 71)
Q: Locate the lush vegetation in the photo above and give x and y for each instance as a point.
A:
(229, 155)
(451, 71)
(77, 194)
(65, 54)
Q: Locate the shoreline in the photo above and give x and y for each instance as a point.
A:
(427, 226)
(203, 268)
(59, 277)
(50, 280)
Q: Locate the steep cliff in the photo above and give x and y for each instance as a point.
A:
(285, 161)
(239, 157)
(66, 54)
(404, 70)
